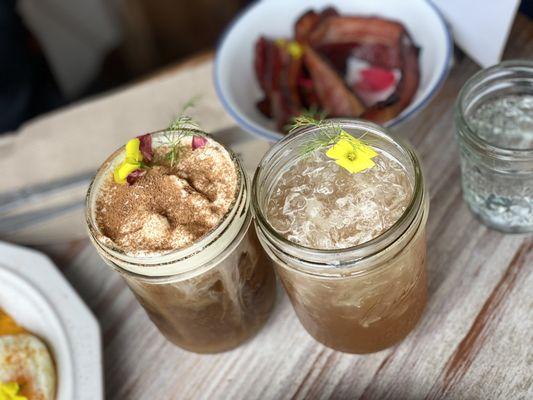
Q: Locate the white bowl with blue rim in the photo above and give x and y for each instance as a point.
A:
(234, 75)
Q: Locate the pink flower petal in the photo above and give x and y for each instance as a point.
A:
(146, 146)
(198, 142)
(134, 176)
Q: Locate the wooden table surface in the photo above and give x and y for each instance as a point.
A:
(475, 340)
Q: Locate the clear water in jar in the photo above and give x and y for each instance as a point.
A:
(505, 122)
(502, 200)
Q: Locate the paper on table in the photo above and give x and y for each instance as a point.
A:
(480, 27)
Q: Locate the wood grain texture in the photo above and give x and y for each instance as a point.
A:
(475, 340)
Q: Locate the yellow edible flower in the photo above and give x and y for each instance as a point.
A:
(352, 154)
(9, 391)
(133, 151)
(131, 162)
(295, 50)
(123, 170)
(293, 47)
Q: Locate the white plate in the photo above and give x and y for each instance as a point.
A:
(37, 296)
(234, 74)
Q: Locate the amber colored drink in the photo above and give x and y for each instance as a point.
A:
(350, 248)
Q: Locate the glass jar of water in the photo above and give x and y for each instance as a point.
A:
(494, 125)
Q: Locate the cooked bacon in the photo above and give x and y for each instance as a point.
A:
(388, 57)
(337, 54)
(336, 99)
(263, 106)
(363, 30)
(305, 25)
(278, 74)
(267, 64)
(260, 62)
(381, 56)
(309, 20)
(291, 84)
(307, 91)
(406, 89)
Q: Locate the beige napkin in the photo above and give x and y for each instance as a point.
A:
(78, 138)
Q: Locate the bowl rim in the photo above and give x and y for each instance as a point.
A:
(265, 133)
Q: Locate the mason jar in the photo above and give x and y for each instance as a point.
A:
(209, 296)
(494, 127)
(358, 299)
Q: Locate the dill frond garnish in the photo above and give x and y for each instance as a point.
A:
(181, 127)
(330, 132)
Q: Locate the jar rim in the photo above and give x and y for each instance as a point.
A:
(152, 259)
(360, 251)
(468, 133)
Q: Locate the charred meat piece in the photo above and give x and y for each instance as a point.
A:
(309, 20)
(278, 73)
(305, 25)
(335, 98)
(266, 64)
(329, 48)
(307, 91)
(263, 106)
(337, 54)
(380, 42)
(363, 30)
(377, 55)
(406, 89)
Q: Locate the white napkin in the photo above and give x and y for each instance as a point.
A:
(480, 27)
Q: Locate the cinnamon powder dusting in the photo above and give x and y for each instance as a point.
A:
(169, 207)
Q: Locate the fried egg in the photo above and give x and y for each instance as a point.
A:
(25, 361)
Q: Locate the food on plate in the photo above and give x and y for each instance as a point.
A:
(27, 369)
(338, 65)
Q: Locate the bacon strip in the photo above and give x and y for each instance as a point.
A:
(265, 64)
(336, 99)
(363, 30)
(377, 55)
(305, 25)
(380, 42)
(329, 39)
(278, 74)
(309, 20)
(406, 89)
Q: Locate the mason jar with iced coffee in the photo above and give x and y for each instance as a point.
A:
(341, 207)
(170, 211)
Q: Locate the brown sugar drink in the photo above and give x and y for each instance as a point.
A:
(171, 212)
(341, 208)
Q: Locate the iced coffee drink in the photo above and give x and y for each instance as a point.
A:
(341, 208)
(171, 212)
